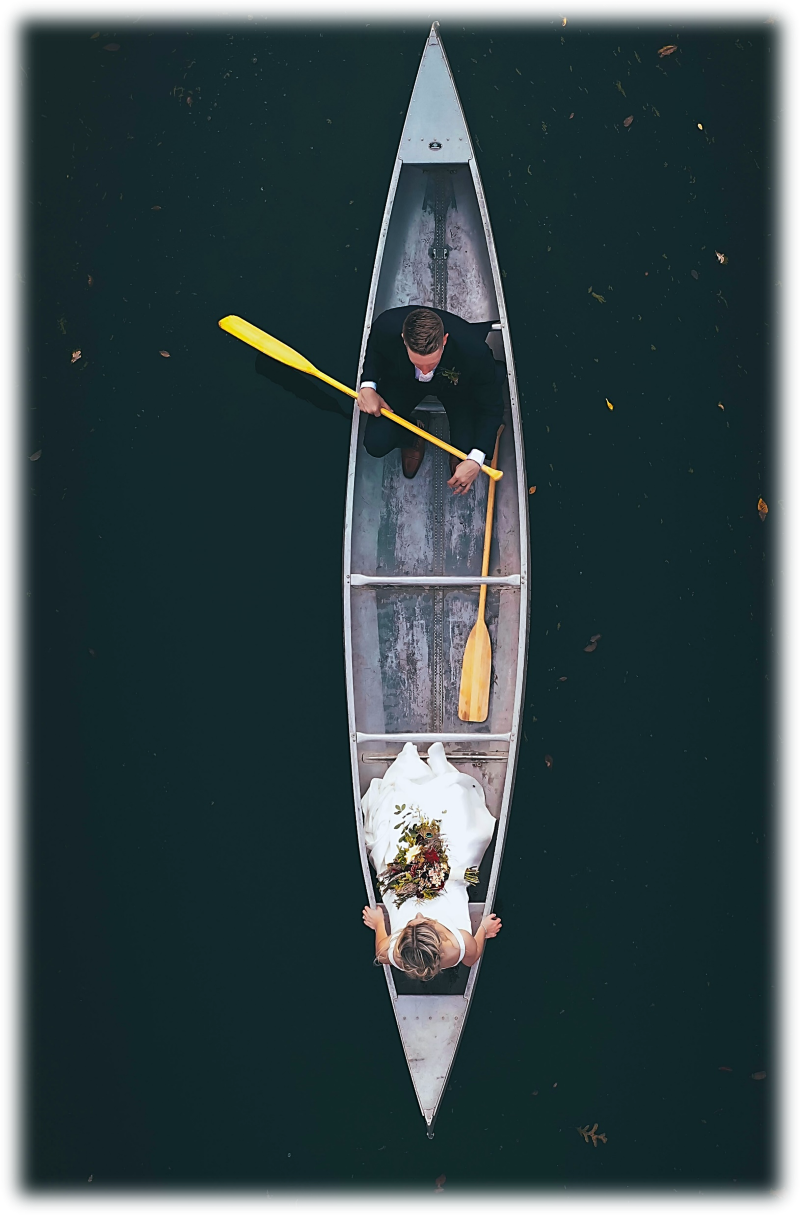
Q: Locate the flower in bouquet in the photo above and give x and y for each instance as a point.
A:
(421, 867)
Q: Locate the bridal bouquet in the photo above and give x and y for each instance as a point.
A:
(421, 867)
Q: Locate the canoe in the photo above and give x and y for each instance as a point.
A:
(412, 549)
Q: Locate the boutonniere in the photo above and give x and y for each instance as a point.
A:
(451, 374)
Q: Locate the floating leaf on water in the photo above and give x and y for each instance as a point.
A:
(111, 46)
(699, 126)
(35, 455)
(763, 509)
(722, 258)
(97, 35)
(164, 354)
(76, 354)
(562, 678)
(532, 489)
(563, 21)
(720, 406)
(590, 648)
(667, 50)
(189, 100)
(725, 1069)
(608, 403)
(441, 1180)
(618, 85)
(601, 299)
(595, 636)
(627, 122)
(548, 761)
(694, 274)
(93, 654)
(591, 1134)
(155, 208)
(572, 115)
(758, 1076)
(89, 280)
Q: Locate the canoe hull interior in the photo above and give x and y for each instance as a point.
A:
(419, 527)
(406, 275)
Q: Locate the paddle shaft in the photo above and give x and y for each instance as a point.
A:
(491, 471)
(487, 538)
(284, 354)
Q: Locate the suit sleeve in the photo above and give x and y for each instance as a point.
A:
(376, 363)
(487, 395)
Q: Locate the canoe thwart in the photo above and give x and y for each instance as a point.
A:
(432, 738)
(435, 580)
(459, 757)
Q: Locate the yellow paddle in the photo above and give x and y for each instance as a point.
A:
(476, 669)
(284, 354)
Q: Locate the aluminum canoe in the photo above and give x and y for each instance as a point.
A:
(412, 549)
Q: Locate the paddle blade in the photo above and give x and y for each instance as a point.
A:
(476, 675)
(266, 344)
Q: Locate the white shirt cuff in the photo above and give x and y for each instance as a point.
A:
(477, 455)
(369, 384)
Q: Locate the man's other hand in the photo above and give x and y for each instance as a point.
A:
(465, 474)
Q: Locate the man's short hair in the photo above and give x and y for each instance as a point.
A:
(423, 331)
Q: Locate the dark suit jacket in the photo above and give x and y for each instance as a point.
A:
(478, 390)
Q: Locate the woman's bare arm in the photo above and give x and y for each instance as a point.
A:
(489, 927)
(373, 918)
(381, 944)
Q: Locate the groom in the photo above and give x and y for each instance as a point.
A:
(412, 352)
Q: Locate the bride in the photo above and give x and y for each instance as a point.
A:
(434, 933)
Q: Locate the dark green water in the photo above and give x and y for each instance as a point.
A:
(200, 1005)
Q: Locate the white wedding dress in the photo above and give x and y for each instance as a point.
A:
(434, 790)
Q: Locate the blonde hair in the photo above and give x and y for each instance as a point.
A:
(423, 331)
(419, 949)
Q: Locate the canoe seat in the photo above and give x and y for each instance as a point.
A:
(429, 405)
(475, 915)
